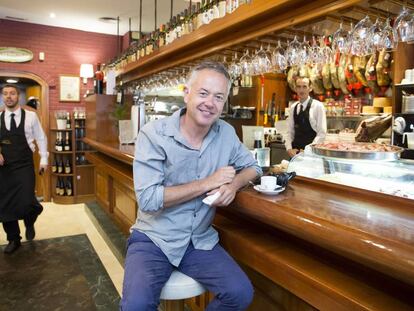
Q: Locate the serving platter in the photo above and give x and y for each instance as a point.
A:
(359, 151)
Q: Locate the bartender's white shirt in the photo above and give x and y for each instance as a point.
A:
(317, 120)
(32, 129)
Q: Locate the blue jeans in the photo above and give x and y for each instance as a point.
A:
(147, 269)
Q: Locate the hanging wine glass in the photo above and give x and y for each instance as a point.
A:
(314, 51)
(246, 64)
(325, 52)
(359, 36)
(340, 40)
(404, 25)
(304, 52)
(279, 61)
(389, 37)
(374, 37)
(260, 62)
(293, 52)
(235, 68)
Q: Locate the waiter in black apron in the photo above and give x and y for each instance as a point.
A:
(307, 120)
(18, 130)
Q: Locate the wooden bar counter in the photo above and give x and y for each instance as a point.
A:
(315, 245)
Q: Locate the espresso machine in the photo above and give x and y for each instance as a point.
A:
(403, 123)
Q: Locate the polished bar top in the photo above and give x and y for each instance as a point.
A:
(374, 229)
(124, 153)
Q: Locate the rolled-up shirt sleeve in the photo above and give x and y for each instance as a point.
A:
(148, 171)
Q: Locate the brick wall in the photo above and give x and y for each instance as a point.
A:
(65, 49)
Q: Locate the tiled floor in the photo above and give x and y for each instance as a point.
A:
(65, 220)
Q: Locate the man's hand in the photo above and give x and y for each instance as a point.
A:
(227, 195)
(42, 168)
(292, 152)
(1, 160)
(223, 175)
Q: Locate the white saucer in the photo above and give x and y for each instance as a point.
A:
(268, 192)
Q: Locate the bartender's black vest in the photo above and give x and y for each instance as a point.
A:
(304, 133)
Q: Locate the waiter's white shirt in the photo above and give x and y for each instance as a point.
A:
(32, 129)
(317, 120)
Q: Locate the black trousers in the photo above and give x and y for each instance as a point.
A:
(12, 228)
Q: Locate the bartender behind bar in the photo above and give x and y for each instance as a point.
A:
(307, 120)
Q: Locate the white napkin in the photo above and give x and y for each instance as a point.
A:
(211, 198)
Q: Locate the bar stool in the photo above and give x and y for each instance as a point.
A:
(179, 287)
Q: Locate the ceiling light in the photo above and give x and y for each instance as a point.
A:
(108, 20)
(15, 18)
(12, 80)
(52, 15)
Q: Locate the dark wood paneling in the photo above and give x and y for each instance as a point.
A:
(85, 180)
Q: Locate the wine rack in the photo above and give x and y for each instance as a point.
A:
(71, 174)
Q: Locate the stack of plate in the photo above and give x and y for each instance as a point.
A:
(408, 104)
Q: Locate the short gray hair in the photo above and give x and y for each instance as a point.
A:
(211, 65)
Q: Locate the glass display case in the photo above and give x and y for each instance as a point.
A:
(391, 177)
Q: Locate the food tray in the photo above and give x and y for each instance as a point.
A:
(392, 155)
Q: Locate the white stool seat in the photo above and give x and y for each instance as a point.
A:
(181, 286)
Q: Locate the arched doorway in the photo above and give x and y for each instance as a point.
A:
(43, 113)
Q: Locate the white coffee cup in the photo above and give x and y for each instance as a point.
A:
(268, 183)
(410, 139)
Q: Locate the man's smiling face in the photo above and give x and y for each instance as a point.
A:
(205, 97)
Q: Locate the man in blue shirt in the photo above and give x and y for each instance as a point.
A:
(179, 161)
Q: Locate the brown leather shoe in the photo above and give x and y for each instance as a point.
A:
(12, 246)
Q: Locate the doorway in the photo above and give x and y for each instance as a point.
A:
(34, 86)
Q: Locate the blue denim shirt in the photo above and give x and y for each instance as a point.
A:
(164, 158)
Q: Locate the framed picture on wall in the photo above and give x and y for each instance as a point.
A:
(69, 88)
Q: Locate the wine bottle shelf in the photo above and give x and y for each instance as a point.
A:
(82, 151)
(61, 152)
(78, 185)
(63, 175)
(60, 130)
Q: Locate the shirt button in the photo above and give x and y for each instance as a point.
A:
(198, 176)
(195, 215)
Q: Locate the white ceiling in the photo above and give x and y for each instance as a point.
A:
(85, 14)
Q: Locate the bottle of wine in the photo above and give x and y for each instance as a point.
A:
(99, 79)
(67, 167)
(201, 14)
(58, 143)
(67, 120)
(194, 15)
(57, 187)
(60, 167)
(67, 146)
(161, 36)
(61, 187)
(54, 166)
(222, 8)
(69, 191)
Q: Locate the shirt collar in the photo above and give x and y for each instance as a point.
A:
(305, 103)
(172, 127)
(17, 112)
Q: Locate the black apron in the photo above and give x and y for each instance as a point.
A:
(304, 133)
(17, 176)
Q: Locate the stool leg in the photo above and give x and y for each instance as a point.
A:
(173, 305)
